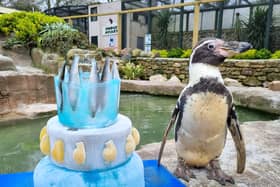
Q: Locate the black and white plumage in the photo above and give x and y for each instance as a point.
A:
(203, 112)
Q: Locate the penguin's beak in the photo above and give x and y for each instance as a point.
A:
(229, 49)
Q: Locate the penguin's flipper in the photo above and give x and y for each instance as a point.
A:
(237, 136)
(170, 124)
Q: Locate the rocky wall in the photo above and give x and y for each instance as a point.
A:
(22, 88)
(247, 72)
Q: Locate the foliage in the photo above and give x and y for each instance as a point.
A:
(25, 26)
(263, 54)
(162, 53)
(276, 55)
(250, 54)
(175, 53)
(255, 27)
(60, 37)
(162, 24)
(10, 42)
(186, 53)
(131, 71)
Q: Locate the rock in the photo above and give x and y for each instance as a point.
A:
(51, 62)
(257, 98)
(252, 81)
(136, 52)
(151, 87)
(97, 54)
(6, 63)
(231, 82)
(24, 88)
(157, 78)
(274, 85)
(36, 110)
(263, 157)
(174, 80)
(242, 64)
(273, 76)
(37, 56)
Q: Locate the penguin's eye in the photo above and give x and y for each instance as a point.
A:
(211, 46)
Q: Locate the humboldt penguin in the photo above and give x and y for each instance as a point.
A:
(203, 112)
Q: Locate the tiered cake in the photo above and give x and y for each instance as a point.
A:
(89, 143)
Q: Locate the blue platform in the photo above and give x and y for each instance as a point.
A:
(154, 177)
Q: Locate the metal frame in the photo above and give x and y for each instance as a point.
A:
(195, 3)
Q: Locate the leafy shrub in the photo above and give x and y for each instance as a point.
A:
(10, 42)
(276, 55)
(250, 54)
(263, 54)
(60, 37)
(186, 53)
(131, 71)
(25, 26)
(162, 53)
(175, 53)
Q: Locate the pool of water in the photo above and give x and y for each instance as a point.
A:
(19, 141)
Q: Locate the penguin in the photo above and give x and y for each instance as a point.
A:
(204, 111)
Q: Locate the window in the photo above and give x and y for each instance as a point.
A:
(135, 17)
(140, 42)
(93, 11)
(94, 40)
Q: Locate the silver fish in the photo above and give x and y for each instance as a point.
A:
(66, 74)
(74, 83)
(93, 90)
(115, 71)
(61, 77)
(106, 73)
(103, 91)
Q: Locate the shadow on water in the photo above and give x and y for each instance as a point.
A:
(19, 143)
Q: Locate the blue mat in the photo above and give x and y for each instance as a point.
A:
(154, 177)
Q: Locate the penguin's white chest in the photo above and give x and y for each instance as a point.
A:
(201, 136)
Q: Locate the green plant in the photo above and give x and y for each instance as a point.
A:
(186, 53)
(263, 54)
(276, 55)
(60, 37)
(10, 42)
(250, 54)
(131, 71)
(162, 53)
(255, 27)
(175, 53)
(25, 26)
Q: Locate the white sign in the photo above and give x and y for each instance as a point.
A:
(148, 42)
(148, 39)
(110, 30)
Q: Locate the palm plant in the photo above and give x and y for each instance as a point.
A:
(162, 24)
(255, 27)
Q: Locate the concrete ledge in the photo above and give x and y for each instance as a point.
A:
(263, 156)
(252, 97)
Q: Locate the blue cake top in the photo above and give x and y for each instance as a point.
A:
(87, 99)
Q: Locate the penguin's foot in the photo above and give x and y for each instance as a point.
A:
(215, 173)
(183, 171)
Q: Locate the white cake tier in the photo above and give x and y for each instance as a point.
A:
(89, 149)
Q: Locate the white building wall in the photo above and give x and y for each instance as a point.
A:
(135, 29)
(96, 27)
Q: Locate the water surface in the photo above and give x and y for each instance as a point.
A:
(19, 143)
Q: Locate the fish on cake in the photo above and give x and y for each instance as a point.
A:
(74, 83)
(204, 111)
(93, 88)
